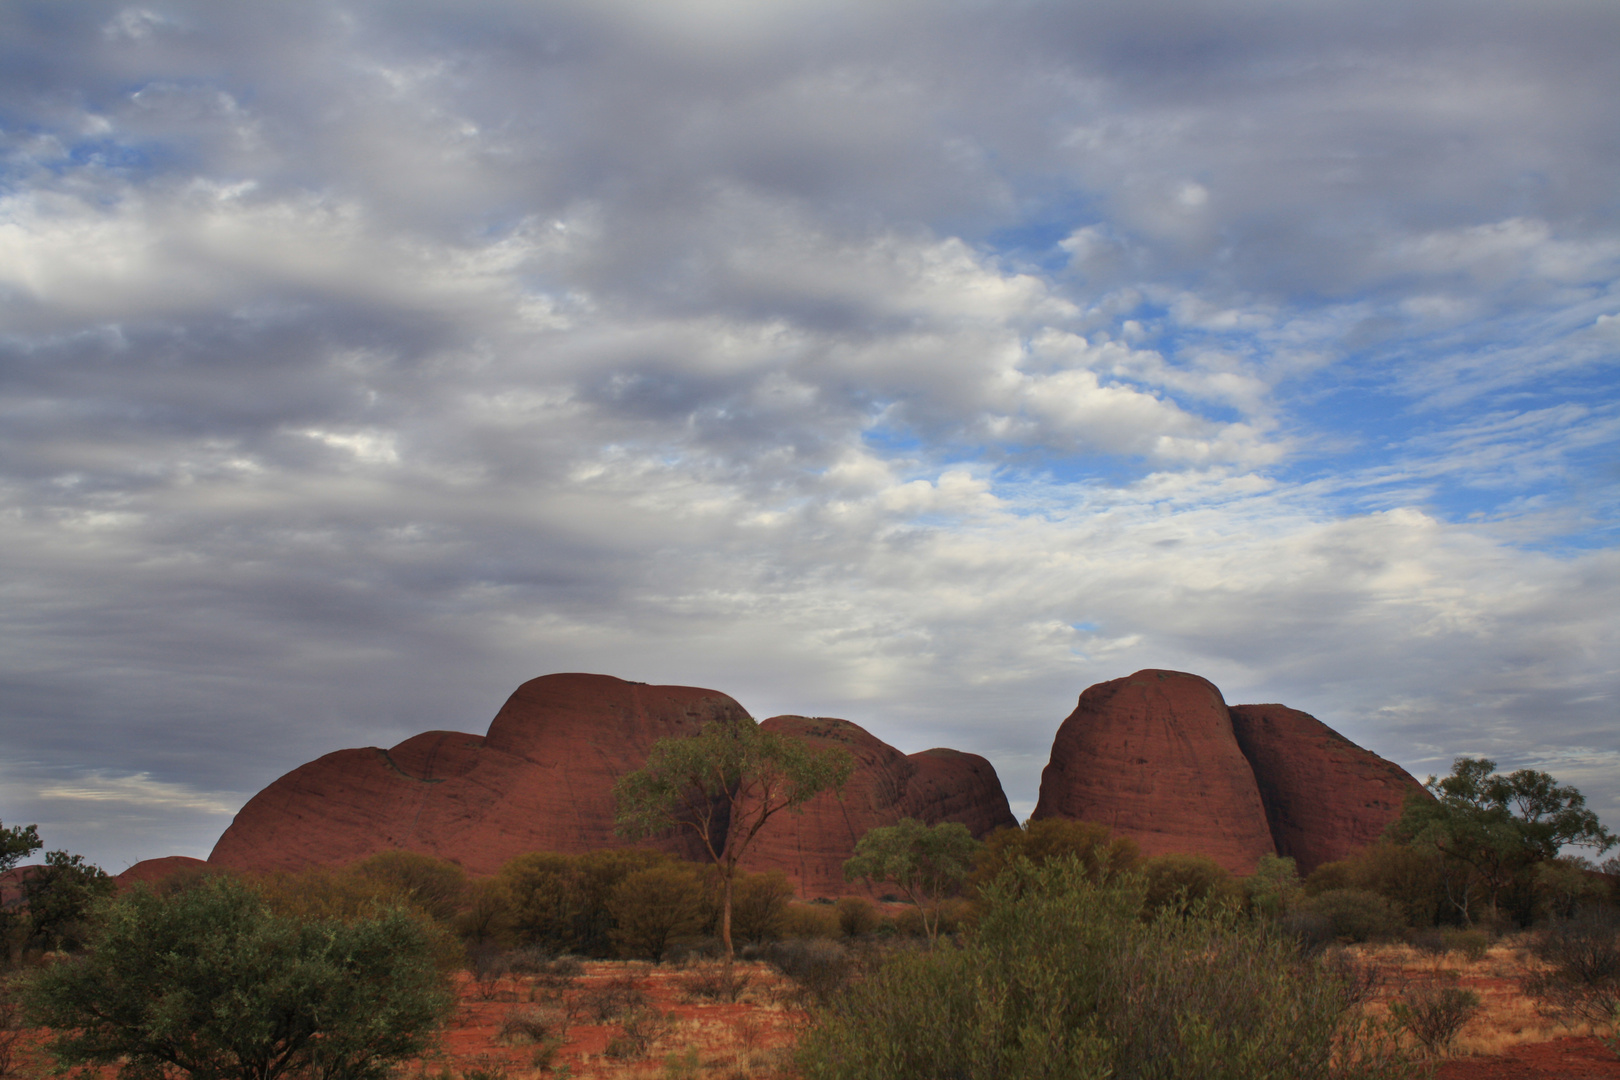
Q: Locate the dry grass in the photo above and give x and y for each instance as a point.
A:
(1507, 1016)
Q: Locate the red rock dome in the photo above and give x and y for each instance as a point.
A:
(1153, 757)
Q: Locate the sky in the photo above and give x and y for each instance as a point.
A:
(917, 363)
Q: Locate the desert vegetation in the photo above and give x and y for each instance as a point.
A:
(1054, 949)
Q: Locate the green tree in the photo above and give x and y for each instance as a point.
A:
(1501, 826)
(723, 784)
(928, 864)
(1274, 889)
(59, 896)
(209, 982)
(16, 843)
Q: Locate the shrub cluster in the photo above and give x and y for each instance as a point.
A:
(1063, 976)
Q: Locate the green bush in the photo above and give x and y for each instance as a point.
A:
(654, 907)
(1581, 979)
(810, 921)
(1062, 977)
(1355, 914)
(858, 916)
(1434, 1014)
(1180, 882)
(212, 983)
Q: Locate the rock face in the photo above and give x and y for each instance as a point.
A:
(540, 780)
(1325, 797)
(152, 871)
(1153, 757)
(1159, 757)
(811, 845)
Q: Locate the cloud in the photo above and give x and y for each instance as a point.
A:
(918, 363)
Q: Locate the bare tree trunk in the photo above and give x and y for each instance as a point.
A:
(725, 918)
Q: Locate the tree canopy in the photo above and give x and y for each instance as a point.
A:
(926, 863)
(1499, 825)
(722, 785)
(211, 983)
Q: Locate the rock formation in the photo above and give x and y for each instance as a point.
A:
(1325, 797)
(1159, 757)
(812, 844)
(542, 779)
(153, 871)
(1153, 757)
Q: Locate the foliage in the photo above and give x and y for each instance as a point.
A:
(1274, 889)
(639, 1029)
(1355, 915)
(436, 887)
(59, 896)
(1434, 1014)
(723, 784)
(1093, 845)
(1564, 886)
(819, 968)
(560, 902)
(210, 982)
(857, 917)
(1177, 883)
(1063, 978)
(651, 908)
(1581, 980)
(811, 921)
(1418, 881)
(17, 842)
(758, 905)
(927, 864)
(1500, 827)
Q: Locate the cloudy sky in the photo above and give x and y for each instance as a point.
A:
(919, 363)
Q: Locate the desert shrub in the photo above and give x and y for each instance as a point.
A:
(712, 982)
(1472, 944)
(1274, 889)
(212, 983)
(485, 918)
(11, 1029)
(651, 908)
(1176, 883)
(1094, 845)
(639, 1029)
(1311, 933)
(527, 1025)
(1434, 1014)
(1355, 914)
(1062, 977)
(612, 998)
(810, 921)
(857, 916)
(436, 887)
(1581, 981)
(560, 902)
(949, 917)
(322, 893)
(758, 906)
(1417, 882)
(818, 967)
(1565, 886)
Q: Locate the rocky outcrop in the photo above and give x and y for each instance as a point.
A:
(1325, 797)
(540, 780)
(811, 845)
(1158, 756)
(155, 871)
(1153, 757)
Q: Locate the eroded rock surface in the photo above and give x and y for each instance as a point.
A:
(1153, 756)
(540, 780)
(1325, 797)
